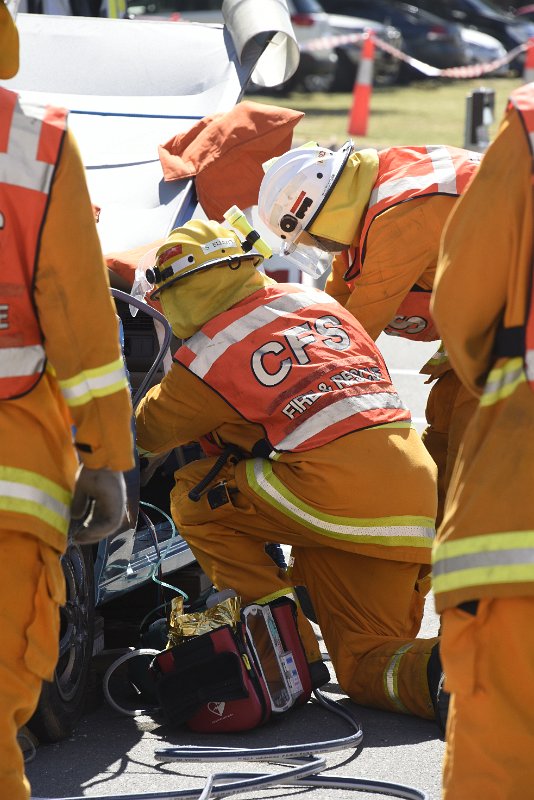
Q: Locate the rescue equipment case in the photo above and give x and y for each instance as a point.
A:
(235, 677)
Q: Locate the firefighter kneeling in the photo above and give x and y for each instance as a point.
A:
(322, 456)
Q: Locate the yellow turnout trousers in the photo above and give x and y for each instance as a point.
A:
(368, 608)
(449, 409)
(32, 586)
(489, 665)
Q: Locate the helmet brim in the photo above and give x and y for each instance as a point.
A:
(233, 262)
(340, 159)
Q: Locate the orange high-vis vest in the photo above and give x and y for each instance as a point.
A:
(30, 143)
(523, 100)
(294, 361)
(407, 173)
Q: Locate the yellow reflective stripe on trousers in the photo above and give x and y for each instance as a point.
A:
(26, 492)
(390, 531)
(92, 383)
(438, 358)
(287, 592)
(493, 558)
(391, 683)
(503, 381)
(399, 424)
(142, 452)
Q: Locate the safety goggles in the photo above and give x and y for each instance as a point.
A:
(141, 287)
(313, 260)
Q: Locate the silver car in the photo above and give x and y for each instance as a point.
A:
(317, 67)
(386, 66)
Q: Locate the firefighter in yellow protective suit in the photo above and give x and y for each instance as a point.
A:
(382, 214)
(319, 453)
(483, 562)
(54, 372)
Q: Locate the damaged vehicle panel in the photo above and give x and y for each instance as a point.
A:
(129, 87)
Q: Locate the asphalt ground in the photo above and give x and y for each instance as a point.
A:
(112, 754)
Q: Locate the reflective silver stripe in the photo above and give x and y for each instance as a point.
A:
(92, 385)
(365, 72)
(529, 363)
(391, 678)
(19, 362)
(326, 524)
(486, 559)
(498, 378)
(443, 173)
(208, 351)
(22, 491)
(19, 165)
(439, 357)
(335, 412)
(495, 558)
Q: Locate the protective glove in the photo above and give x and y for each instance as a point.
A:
(148, 466)
(100, 497)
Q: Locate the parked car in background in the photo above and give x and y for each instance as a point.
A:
(386, 67)
(317, 67)
(488, 17)
(428, 38)
(484, 49)
(524, 11)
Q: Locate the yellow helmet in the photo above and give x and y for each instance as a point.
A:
(9, 43)
(196, 247)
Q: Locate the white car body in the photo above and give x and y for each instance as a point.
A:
(484, 48)
(130, 87)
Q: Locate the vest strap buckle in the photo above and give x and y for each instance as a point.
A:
(218, 495)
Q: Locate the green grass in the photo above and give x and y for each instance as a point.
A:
(425, 112)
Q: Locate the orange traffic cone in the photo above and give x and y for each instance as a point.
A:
(363, 87)
(528, 71)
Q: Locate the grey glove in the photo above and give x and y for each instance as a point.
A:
(101, 494)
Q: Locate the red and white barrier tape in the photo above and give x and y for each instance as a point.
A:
(470, 71)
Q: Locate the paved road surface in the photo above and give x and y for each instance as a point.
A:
(113, 754)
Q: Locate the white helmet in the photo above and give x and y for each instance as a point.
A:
(296, 186)
(293, 190)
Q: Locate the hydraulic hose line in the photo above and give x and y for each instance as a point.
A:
(305, 772)
(127, 655)
(278, 753)
(152, 312)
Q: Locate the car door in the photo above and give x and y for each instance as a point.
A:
(129, 87)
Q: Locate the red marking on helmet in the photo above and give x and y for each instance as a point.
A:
(297, 202)
(170, 253)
